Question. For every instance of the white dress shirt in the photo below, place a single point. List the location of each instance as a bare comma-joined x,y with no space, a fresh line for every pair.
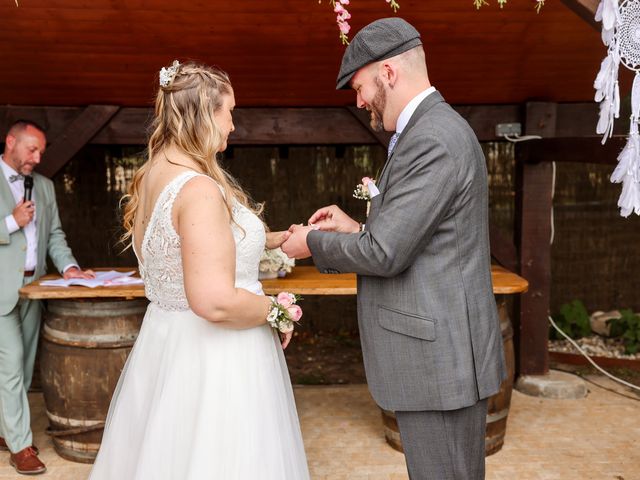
30,231
407,111
17,189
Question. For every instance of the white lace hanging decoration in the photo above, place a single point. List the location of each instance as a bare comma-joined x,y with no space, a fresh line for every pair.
621,34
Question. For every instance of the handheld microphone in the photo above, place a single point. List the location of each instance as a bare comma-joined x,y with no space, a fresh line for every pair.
28,187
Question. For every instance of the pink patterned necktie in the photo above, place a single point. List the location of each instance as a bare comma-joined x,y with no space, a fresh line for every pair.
392,143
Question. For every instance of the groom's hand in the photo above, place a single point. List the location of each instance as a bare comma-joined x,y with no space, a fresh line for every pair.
296,244
332,219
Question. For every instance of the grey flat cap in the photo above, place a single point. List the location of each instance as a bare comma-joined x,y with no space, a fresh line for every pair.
382,39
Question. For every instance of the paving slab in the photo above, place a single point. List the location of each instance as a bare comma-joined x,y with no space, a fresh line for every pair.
595,437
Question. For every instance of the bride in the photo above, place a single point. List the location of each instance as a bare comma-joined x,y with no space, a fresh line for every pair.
205,392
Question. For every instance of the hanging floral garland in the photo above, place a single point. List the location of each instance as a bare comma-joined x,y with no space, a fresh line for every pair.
343,14
621,35
502,3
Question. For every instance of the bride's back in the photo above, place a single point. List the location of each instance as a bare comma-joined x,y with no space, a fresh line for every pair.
155,181
156,238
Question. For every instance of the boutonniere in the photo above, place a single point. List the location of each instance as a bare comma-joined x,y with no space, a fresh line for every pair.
366,191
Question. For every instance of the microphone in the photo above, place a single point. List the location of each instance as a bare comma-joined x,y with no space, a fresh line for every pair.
28,187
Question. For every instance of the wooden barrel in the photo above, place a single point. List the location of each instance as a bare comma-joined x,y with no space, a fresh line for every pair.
85,344
498,404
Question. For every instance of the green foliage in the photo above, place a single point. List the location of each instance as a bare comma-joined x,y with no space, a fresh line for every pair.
627,327
573,320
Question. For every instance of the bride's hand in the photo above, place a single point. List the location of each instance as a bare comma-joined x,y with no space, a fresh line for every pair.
285,338
275,239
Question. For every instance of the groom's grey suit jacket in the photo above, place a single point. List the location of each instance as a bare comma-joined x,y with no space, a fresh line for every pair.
428,323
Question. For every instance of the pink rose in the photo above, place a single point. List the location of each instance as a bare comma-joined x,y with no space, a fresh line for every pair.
366,181
344,2
344,27
338,8
285,299
295,312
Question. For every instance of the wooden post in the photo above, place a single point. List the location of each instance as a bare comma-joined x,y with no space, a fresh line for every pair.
585,9
533,235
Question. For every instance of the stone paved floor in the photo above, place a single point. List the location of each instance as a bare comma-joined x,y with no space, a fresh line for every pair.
593,438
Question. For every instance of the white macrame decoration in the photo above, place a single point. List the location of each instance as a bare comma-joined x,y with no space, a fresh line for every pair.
621,34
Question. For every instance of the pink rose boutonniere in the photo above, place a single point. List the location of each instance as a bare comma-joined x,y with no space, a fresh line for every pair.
366,191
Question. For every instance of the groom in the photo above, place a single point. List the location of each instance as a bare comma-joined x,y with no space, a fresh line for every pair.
429,329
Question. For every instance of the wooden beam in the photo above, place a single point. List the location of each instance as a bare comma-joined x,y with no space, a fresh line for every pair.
256,126
297,126
484,118
585,9
503,250
541,119
77,134
127,127
364,118
533,234
578,150
273,126
52,119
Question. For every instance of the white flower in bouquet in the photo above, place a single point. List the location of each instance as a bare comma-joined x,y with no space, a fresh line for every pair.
275,262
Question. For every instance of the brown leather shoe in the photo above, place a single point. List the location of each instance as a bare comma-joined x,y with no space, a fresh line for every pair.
26,462
5,448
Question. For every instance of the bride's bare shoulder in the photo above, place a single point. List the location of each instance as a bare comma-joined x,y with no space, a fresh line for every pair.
201,187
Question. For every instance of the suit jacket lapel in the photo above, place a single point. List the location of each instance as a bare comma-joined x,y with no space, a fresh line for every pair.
5,192
41,218
422,109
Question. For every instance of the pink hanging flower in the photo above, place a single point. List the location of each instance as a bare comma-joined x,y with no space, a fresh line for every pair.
344,15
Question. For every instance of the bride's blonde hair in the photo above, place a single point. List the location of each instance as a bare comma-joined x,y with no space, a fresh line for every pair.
184,118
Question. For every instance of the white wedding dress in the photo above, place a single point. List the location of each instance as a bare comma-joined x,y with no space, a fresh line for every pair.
196,401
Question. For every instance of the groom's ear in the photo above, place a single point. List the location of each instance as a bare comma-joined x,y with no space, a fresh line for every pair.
388,73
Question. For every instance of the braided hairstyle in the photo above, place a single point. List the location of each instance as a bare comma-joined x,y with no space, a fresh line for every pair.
184,118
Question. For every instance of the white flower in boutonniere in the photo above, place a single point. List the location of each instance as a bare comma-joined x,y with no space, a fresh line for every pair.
274,263
366,191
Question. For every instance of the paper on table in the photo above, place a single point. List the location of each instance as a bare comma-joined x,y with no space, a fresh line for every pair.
103,279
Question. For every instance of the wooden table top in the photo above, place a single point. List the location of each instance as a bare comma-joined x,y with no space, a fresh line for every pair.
35,291
302,281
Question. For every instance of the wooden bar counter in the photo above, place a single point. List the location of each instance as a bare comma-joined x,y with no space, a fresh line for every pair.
88,333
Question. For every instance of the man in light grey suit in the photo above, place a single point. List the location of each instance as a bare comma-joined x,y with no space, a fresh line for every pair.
428,323
28,231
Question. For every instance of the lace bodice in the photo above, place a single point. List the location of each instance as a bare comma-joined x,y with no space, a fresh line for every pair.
162,268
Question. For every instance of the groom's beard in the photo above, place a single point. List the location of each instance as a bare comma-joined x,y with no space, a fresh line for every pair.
377,107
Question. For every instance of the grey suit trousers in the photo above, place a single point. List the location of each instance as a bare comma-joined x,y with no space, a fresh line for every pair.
444,445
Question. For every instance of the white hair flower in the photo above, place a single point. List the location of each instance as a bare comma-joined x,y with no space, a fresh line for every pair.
168,74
